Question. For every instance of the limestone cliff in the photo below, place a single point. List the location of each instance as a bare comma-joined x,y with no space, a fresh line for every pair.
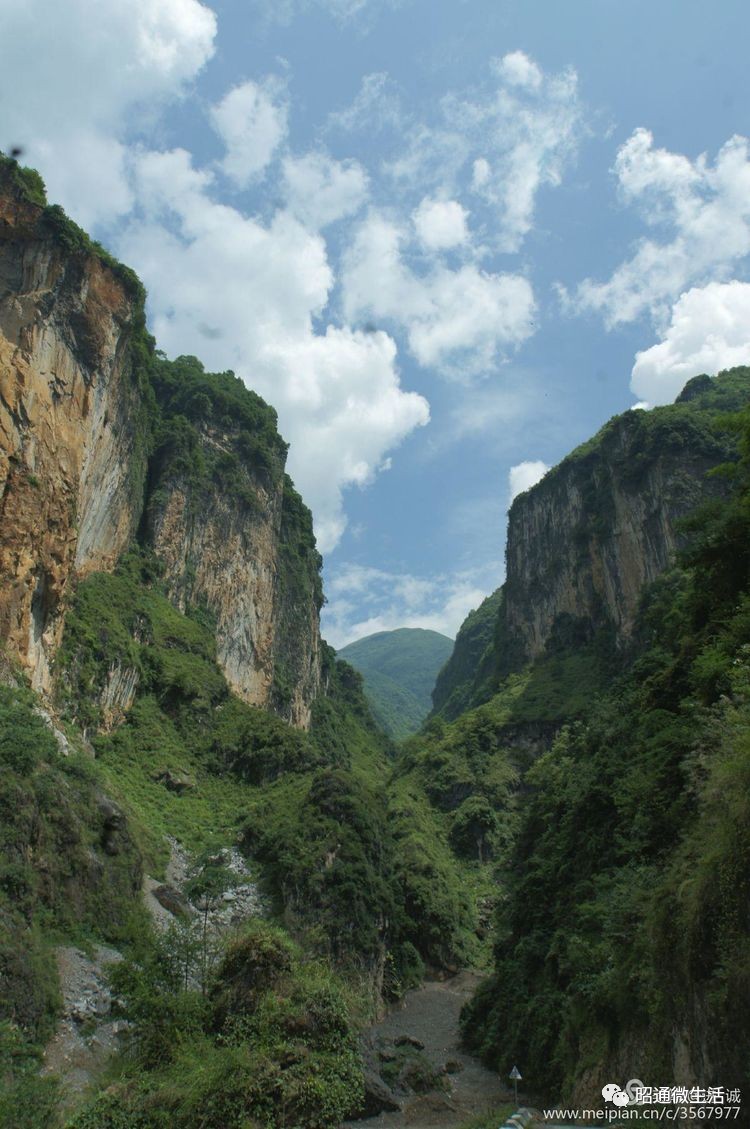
103,441
234,552
70,463
586,540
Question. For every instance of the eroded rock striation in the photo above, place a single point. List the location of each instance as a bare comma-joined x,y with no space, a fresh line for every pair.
585,541
70,466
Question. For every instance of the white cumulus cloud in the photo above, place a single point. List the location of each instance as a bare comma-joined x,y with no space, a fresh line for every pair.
321,190
525,475
504,141
705,211
251,120
242,294
709,331
441,224
103,62
517,69
459,321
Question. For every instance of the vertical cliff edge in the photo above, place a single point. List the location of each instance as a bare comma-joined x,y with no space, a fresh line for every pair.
103,441
71,458
585,542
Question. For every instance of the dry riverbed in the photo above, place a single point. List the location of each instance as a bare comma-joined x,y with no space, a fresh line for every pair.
429,1015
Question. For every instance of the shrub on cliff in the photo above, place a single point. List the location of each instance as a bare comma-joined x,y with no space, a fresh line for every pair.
275,1048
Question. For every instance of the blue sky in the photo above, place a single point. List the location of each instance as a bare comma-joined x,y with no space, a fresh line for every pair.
447,240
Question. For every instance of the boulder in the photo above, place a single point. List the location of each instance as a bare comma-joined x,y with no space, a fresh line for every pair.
379,1098
409,1041
172,900
178,782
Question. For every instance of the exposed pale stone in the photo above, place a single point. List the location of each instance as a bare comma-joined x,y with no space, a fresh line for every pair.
66,430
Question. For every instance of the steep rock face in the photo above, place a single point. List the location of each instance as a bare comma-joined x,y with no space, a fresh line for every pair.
228,555
102,441
69,461
584,542
233,535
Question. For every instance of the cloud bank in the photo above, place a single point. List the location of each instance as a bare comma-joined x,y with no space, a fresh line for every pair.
459,320
107,65
243,294
704,207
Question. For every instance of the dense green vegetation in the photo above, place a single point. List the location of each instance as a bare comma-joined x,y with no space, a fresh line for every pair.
399,669
271,1044
68,867
312,811
627,908
191,402
160,747
28,184
25,181
471,662
251,772
584,816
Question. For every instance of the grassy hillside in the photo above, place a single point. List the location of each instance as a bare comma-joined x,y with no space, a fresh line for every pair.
399,670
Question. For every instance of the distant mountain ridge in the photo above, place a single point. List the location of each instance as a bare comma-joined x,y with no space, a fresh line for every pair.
399,670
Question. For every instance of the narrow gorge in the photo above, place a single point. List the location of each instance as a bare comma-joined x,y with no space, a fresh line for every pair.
216,860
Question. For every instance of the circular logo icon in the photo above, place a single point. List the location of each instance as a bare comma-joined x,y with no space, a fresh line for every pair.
632,1086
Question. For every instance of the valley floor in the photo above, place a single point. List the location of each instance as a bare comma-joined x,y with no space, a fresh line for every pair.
430,1014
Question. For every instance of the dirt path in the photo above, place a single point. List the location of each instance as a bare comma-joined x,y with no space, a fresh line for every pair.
430,1014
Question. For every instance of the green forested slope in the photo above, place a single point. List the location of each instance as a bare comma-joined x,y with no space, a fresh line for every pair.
626,928
585,815
471,661
399,670
269,1035
312,812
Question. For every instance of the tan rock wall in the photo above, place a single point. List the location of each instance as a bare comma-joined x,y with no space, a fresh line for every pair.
218,553
66,430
